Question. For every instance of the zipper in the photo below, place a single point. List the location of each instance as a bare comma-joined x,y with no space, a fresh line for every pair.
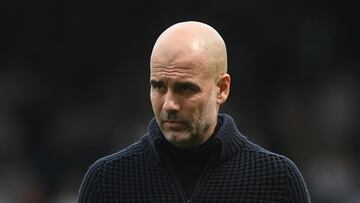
180,186
177,180
203,175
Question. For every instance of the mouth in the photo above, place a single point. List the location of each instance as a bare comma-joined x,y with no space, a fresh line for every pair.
173,125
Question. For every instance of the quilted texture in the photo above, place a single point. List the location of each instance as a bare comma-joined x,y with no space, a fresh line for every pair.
240,172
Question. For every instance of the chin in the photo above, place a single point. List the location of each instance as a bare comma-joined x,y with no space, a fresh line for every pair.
177,138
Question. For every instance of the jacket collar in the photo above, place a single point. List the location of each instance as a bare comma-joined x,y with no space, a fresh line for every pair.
228,138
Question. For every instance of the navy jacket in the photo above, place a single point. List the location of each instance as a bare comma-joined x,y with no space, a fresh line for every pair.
241,171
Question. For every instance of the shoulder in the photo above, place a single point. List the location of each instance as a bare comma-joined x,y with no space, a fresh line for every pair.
90,189
281,168
266,156
117,159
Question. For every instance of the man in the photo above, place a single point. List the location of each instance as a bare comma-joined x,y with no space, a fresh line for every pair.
191,153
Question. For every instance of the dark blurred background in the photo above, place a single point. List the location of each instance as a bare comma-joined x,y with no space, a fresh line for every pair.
74,82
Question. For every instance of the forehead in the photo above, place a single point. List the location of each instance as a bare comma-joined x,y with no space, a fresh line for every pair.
175,74
181,66
176,71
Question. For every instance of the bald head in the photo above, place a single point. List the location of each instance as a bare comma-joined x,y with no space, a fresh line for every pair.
188,82
191,42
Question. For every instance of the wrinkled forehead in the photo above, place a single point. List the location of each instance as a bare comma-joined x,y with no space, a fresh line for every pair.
179,70
179,61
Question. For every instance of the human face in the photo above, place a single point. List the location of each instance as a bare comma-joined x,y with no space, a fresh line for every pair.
183,98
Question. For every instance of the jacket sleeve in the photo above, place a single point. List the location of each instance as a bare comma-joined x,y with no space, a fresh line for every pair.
296,187
90,187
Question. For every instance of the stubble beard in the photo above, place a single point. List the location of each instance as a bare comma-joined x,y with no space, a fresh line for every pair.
195,132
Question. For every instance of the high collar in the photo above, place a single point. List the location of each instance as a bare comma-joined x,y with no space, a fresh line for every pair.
229,140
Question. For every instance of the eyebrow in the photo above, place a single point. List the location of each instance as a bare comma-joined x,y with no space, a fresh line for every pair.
156,82
176,84
191,85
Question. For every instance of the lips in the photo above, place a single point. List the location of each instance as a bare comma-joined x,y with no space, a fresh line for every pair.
173,124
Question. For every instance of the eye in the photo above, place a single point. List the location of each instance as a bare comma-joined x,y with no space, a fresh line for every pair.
158,85
187,88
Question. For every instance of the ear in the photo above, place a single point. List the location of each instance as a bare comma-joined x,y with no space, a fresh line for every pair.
223,85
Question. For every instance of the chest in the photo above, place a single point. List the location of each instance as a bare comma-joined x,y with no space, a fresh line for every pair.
140,180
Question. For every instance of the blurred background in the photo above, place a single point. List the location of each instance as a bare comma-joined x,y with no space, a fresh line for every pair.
74,82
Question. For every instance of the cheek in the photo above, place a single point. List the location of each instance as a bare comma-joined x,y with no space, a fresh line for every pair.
155,103
209,106
198,105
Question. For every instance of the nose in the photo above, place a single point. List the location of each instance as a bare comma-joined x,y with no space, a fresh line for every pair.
171,103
